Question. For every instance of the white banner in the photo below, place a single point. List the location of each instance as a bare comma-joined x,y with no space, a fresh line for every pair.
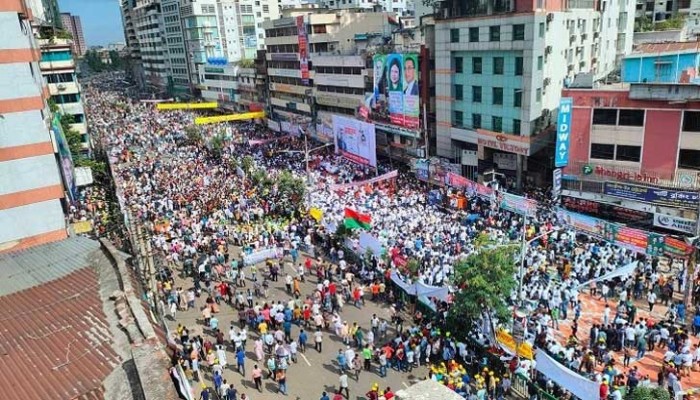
355,140
261,255
470,158
421,289
622,271
505,161
674,223
578,385
388,175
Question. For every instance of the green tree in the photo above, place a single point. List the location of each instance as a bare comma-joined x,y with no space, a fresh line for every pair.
74,139
486,280
676,22
643,24
194,136
247,164
115,59
217,145
645,393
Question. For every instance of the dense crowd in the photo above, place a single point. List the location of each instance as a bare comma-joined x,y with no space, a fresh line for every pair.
196,204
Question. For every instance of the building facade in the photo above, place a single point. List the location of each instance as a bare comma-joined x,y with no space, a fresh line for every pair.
31,188
662,63
178,67
72,25
147,19
58,67
636,146
500,70
132,42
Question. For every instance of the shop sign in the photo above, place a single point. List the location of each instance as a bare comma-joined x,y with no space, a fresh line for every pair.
499,141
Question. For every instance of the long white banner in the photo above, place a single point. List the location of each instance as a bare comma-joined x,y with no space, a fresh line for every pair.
388,175
578,385
260,256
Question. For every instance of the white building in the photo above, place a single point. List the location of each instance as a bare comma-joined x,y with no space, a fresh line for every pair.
178,67
147,22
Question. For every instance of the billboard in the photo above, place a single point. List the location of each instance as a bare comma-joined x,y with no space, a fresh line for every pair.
64,154
561,155
663,197
303,40
355,140
396,90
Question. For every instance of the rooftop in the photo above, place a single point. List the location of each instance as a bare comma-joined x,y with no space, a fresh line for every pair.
661,48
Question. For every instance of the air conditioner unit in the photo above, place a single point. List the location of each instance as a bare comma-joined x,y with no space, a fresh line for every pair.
584,36
596,35
546,81
548,50
550,17
61,87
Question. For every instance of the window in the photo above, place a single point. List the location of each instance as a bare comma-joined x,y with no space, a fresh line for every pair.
498,65
497,95
541,30
473,35
632,117
519,32
458,118
605,116
459,95
497,124
476,121
476,65
518,66
538,95
691,121
454,35
540,63
495,33
689,158
319,29
266,8
516,127
517,98
628,153
459,68
602,151
476,94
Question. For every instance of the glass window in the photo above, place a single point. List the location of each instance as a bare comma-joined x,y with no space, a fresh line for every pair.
497,124
476,121
516,127
540,63
518,66
498,65
476,94
689,159
459,95
541,30
458,118
473,34
497,95
605,116
517,98
628,153
454,35
691,121
519,32
476,65
459,67
538,95
495,33
631,117
602,151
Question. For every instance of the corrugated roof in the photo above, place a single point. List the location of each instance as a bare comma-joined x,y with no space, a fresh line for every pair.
55,341
27,268
660,48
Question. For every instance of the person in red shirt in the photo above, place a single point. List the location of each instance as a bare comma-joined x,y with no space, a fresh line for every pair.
332,288
338,396
603,391
388,394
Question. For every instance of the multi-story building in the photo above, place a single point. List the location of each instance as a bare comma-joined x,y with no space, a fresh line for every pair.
135,72
500,69
338,77
201,33
72,25
147,20
401,8
662,63
58,68
634,154
178,67
31,188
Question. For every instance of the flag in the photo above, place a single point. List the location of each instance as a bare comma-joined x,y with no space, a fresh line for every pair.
316,214
354,219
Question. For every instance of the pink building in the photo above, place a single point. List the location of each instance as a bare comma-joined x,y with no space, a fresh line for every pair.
72,24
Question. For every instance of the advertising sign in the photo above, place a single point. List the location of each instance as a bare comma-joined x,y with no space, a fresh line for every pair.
470,187
556,183
355,140
584,223
396,91
561,155
506,161
470,158
423,170
517,204
303,40
652,195
674,223
64,155
499,141
606,211
324,128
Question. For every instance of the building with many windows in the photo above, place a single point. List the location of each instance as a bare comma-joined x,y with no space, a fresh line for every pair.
500,69
32,192
72,25
132,43
147,21
178,67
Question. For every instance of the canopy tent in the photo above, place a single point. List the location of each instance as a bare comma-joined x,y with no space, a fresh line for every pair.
420,289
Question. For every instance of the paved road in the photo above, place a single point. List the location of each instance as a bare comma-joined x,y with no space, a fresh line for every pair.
314,372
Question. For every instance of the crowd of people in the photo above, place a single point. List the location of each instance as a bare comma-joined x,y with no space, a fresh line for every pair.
196,204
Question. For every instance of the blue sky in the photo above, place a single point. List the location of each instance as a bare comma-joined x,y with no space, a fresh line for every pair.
102,22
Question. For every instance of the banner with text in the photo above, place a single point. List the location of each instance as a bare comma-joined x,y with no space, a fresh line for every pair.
666,197
380,178
396,91
355,140
561,155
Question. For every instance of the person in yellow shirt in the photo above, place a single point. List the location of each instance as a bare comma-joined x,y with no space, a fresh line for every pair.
262,327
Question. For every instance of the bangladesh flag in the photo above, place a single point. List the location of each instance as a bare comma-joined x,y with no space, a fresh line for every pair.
355,220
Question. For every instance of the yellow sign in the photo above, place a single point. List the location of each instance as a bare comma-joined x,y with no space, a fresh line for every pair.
186,106
316,213
506,340
230,117
82,227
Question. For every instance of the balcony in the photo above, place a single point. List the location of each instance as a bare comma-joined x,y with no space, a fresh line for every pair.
286,88
80,127
290,73
356,81
64,88
338,99
72,108
291,105
55,65
676,92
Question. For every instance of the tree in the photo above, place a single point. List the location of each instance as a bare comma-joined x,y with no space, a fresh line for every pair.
217,145
194,136
115,59
676,22
247,164
486,280
643,24
645,393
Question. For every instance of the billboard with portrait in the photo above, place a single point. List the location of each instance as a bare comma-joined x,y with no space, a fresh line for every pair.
303,41
355,140
395,98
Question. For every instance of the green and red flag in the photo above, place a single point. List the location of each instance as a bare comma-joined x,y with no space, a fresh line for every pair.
355,220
